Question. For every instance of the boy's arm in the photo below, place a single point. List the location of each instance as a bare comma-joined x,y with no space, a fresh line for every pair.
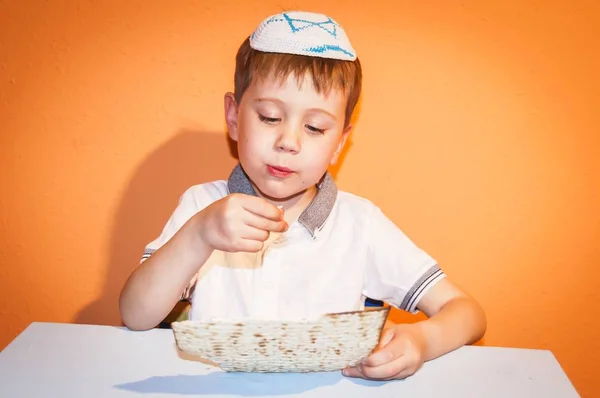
233,223
408,278
455,319
155,286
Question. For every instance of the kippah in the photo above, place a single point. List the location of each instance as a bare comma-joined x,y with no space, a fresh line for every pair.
303,33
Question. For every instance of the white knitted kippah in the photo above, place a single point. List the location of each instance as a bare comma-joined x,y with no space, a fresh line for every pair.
303,33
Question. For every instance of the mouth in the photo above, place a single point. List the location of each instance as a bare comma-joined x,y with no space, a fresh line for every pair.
279,171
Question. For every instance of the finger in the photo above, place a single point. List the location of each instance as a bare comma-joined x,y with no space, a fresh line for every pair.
262,208
265,224
252,233
388,371
391,347
407,372
386,336
250,246
353,372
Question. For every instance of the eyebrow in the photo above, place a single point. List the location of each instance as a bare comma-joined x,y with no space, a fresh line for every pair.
277,101
280,102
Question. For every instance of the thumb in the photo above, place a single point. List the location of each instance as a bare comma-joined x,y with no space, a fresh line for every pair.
386,350
386,336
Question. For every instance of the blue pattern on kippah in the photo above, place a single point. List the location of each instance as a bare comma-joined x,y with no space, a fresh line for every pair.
326,47
309,24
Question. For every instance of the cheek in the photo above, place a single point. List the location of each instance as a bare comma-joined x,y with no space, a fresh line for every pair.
252,139
247,130
316,159
325,149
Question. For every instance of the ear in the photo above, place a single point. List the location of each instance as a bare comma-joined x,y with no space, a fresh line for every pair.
340,147
231,115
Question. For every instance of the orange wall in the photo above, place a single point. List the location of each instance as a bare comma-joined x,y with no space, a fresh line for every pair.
477,134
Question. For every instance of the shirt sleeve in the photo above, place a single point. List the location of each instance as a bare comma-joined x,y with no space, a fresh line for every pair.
398,271
187,207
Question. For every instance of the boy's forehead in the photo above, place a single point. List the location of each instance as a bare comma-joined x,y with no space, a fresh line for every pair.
292,88
290,81
303,33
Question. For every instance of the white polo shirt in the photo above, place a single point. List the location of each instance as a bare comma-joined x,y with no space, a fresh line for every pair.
339,251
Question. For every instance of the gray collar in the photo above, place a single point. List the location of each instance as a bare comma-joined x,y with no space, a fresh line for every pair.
313,217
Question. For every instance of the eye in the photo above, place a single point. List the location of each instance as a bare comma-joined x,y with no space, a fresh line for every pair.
313,129
268,120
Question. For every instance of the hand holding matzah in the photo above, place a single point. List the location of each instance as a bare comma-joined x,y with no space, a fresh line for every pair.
401,352
239,223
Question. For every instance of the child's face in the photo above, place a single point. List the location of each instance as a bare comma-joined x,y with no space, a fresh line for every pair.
287,135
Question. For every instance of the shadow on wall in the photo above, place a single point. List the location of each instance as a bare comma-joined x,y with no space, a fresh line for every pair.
190,158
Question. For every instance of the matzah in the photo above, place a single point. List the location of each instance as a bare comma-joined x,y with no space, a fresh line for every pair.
329,343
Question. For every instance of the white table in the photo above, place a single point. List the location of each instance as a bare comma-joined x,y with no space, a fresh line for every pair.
66,360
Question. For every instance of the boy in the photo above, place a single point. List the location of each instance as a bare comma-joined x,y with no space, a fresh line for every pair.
277,239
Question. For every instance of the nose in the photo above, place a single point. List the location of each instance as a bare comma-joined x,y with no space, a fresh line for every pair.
289,139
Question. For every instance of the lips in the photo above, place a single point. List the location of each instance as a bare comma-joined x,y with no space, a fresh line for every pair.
279,171
280,168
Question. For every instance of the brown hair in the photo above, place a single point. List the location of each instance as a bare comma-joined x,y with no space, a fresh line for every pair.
326,73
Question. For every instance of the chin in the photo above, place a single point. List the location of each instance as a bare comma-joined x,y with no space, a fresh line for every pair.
278,191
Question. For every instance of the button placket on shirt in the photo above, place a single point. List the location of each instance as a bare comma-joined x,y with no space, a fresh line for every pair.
266,302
